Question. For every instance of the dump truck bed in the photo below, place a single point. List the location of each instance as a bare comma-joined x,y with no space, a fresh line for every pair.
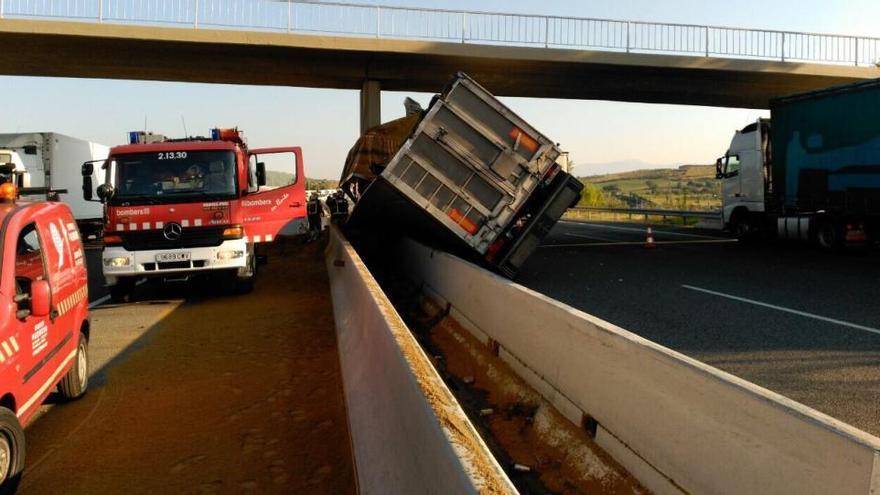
472,175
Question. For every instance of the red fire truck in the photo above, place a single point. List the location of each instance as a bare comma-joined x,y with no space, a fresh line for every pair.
175,208
44,326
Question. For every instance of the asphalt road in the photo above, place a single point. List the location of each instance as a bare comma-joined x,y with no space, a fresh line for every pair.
193,390
798,321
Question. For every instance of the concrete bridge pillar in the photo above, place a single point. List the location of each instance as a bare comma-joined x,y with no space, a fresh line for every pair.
371,114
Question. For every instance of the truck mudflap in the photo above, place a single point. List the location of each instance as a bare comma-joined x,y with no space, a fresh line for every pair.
276,211
543,211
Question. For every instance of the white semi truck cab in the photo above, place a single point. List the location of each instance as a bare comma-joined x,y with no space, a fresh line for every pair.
743,171
812,173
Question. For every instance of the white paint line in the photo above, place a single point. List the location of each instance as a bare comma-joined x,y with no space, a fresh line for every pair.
634,229
786,310
99,301
593,237
639,243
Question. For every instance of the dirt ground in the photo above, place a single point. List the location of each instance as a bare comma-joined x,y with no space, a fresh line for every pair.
535,438
226,394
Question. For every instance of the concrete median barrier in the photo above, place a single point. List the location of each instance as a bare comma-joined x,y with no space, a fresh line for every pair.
408,433
678,425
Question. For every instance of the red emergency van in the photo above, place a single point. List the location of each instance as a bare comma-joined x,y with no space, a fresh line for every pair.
44,325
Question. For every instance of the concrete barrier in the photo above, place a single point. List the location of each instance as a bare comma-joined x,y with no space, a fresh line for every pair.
677,424
408,433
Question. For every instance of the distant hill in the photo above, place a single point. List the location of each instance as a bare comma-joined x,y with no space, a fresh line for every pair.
687,187
275,178
617,167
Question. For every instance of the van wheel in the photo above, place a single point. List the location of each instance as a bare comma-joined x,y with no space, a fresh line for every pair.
123,291
11,451
76,381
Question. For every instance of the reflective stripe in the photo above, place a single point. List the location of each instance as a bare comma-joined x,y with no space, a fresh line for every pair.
184,223
49,383
14,343
7,349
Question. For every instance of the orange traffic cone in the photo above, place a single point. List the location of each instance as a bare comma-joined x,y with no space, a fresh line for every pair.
649,242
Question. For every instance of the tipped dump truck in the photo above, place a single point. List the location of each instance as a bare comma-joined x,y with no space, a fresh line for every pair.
467,174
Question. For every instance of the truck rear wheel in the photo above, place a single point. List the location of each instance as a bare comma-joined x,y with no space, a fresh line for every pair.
76,381
11,451
828,235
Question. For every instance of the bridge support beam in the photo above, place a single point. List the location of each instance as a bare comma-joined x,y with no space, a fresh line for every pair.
371,99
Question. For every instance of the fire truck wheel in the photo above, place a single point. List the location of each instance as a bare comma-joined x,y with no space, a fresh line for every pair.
123,291
11,451
76,381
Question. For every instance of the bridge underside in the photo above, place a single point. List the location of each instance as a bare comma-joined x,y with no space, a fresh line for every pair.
67,49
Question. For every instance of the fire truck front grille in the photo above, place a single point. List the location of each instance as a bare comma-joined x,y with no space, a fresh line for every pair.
190,238
174,265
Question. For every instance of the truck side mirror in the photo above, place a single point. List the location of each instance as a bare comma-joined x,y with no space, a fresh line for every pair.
261,173
87,187
719,174
105,191
88,169
40,298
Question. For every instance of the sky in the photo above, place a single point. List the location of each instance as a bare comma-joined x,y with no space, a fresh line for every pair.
598,134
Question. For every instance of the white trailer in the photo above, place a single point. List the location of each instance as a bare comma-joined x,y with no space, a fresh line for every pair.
54,161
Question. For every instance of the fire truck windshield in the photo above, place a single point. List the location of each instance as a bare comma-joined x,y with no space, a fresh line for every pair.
174,176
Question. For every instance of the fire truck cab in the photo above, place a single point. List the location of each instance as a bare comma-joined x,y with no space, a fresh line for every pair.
44,325
176,208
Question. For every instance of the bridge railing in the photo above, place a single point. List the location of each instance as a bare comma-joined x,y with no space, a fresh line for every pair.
492,28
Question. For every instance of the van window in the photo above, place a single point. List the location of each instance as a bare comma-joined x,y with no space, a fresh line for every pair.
28,259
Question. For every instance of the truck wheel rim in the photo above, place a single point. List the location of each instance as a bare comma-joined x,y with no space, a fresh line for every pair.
5,457
82,365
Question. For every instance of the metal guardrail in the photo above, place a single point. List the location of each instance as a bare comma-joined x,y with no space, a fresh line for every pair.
492,28
657,212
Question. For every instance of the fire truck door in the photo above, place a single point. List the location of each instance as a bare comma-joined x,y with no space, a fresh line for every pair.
268,211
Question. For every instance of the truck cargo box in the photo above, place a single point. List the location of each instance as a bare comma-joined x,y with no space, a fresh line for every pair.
826,149
54,161
472,175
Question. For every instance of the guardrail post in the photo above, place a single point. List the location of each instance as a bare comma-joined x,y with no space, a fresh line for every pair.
856,40
289,7
378,20
627,37
546,32
463,25
1,9
100,11
196,14
783,47
707,40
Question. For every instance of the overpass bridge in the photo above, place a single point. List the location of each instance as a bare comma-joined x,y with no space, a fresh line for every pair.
369,48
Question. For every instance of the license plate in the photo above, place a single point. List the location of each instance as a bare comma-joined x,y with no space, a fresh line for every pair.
165,257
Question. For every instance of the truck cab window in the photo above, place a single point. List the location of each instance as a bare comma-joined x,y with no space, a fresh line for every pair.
253,186
731,167
28,259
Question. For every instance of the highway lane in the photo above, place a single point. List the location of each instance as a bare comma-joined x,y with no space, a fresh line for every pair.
798,321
